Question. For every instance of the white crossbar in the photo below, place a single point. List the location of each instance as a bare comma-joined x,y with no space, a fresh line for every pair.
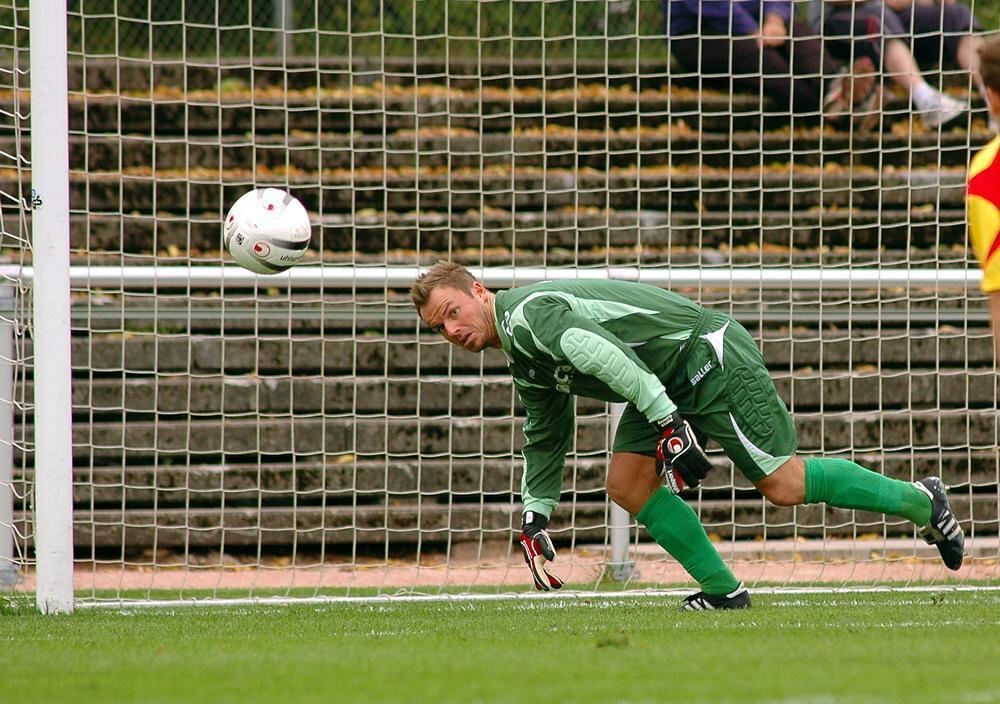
400,277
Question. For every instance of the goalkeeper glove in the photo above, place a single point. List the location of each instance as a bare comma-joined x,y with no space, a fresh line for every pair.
537,547
684,462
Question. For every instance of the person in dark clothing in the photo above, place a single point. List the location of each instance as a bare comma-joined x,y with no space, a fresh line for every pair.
897,34
757,46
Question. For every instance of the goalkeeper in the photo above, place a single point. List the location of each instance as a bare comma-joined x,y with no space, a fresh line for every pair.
684,371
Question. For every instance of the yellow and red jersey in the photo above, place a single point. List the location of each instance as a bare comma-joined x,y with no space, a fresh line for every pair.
983,203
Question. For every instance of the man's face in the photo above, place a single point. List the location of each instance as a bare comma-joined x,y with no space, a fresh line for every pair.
464,319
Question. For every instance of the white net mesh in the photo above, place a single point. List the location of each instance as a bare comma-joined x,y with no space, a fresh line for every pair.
262,439
16,200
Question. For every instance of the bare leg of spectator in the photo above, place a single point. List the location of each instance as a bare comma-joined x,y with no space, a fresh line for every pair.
944,34
935,108
901,67
883,35
967,54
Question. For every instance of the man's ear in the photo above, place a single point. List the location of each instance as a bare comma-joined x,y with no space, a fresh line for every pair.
478,290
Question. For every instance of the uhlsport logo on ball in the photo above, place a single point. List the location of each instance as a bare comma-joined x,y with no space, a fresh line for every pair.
267,230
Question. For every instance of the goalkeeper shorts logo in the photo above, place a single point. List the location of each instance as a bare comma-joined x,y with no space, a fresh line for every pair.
700,374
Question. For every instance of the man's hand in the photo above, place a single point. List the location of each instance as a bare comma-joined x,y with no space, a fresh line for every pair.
684,462
773,31
537,547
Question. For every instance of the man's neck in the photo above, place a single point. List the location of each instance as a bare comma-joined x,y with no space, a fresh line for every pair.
491,305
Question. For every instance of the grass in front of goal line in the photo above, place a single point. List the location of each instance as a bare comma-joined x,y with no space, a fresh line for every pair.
863,648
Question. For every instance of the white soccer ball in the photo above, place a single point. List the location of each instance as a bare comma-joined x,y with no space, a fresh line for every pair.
267,230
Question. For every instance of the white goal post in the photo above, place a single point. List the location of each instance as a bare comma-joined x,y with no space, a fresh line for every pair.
51,256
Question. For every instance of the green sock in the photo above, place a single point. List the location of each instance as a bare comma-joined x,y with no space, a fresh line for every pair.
675,527
843,484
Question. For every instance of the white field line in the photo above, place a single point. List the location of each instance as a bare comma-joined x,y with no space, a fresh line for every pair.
573,596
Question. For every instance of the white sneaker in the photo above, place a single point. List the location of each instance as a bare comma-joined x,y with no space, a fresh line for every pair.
942,110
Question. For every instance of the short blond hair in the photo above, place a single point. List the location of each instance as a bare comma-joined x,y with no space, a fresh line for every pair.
989,62
443,273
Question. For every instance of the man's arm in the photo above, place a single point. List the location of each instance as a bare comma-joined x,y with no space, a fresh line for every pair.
548,432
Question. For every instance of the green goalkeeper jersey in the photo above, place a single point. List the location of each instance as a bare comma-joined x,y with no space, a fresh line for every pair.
614,341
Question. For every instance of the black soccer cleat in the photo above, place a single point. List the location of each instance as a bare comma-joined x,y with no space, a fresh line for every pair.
738,599
943,530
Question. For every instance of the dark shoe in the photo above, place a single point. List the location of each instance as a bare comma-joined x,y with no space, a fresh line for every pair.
856,93
739,599
943,529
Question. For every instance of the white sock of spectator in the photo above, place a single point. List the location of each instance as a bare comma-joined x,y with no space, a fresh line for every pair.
924,97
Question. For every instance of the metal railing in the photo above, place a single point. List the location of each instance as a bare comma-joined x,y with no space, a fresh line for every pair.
400,277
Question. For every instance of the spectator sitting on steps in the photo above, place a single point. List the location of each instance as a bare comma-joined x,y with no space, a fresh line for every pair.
757,46
896,34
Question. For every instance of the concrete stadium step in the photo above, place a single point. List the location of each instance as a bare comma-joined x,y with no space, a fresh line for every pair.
533,189
183,437
778,235
302,73
379,108
573,234
374,109
308,72
335,314
342,479
489,394
265,311
406,524
338,321
668,144
952,350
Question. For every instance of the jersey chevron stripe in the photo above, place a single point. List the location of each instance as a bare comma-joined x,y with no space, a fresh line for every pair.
518,319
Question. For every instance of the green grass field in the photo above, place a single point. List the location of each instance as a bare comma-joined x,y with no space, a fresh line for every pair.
815,649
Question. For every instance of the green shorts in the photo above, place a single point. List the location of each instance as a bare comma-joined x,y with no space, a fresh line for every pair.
722,388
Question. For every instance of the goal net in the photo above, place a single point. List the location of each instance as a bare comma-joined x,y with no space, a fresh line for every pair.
243,436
